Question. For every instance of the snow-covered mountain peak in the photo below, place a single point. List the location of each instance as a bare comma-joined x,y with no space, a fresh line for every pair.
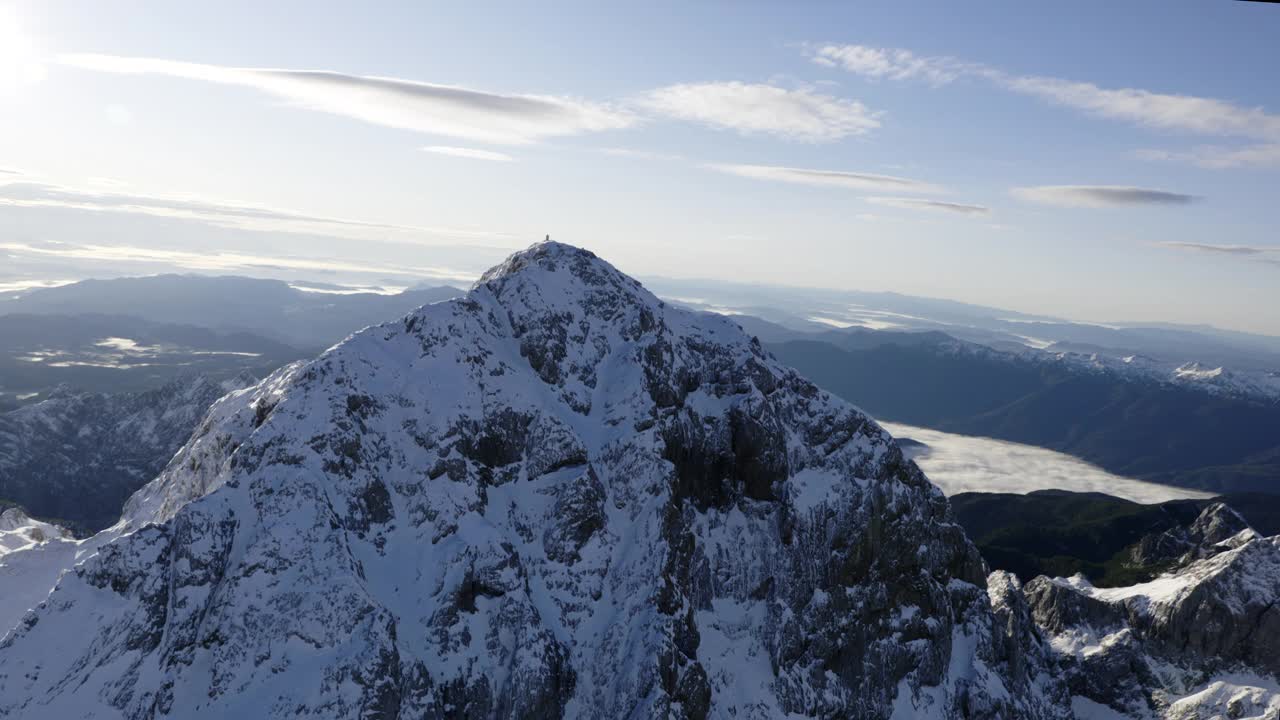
556,497
550,264
552,279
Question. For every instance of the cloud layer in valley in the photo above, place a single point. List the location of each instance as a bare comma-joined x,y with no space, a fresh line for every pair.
960,463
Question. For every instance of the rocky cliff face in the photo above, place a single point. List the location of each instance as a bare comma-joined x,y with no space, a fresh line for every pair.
555,497
1200,641
79,456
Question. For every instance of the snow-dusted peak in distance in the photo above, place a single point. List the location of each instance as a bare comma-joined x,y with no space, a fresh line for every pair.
18,531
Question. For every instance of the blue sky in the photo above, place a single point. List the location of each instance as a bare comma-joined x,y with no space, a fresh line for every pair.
1097,161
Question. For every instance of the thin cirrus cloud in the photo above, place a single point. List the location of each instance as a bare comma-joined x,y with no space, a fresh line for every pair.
759,109
468,153
1237,250
1267,254
222,214
392,102
634,153
520,119
929,205
858,181
828,178
1100,196
1162,111
1217,157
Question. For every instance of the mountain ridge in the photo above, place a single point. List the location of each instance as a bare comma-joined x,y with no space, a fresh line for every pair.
510,493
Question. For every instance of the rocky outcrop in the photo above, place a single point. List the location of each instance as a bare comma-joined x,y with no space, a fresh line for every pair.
1204,635
557,497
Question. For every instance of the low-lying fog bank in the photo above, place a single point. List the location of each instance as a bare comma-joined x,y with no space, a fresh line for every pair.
961,463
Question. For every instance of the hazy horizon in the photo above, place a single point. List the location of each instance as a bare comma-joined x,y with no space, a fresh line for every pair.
989,155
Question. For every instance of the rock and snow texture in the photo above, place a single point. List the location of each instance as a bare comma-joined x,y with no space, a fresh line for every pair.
32,555
77,457
19,532
555,497
1201,641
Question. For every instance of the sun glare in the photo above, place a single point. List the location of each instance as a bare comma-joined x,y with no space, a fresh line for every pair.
20,64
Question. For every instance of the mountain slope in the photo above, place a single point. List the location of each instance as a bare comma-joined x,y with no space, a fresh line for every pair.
556,497
1198,641
79,456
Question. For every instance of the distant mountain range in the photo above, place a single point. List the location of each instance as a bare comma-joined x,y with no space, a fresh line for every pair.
273,309
813,310
1129,420
133,334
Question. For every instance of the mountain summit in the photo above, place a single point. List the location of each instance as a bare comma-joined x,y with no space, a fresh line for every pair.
555,497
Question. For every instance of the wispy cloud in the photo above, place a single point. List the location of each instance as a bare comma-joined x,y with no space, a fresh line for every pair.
1156,110
828,178
424,107
1219,157
638,154
1144,108
934,205
469,153
1238,250
891,63
1100,196
224,214
860,181
224,261
751,109
9,171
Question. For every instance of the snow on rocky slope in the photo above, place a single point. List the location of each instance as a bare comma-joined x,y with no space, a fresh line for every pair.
555,497
32,555
20,532
1201,641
